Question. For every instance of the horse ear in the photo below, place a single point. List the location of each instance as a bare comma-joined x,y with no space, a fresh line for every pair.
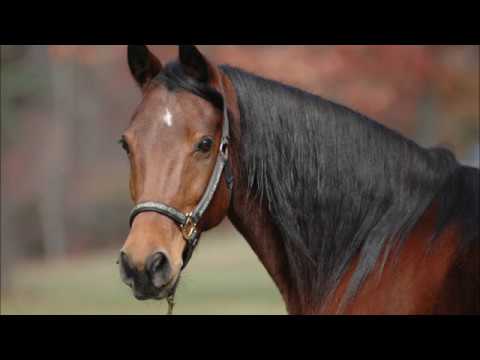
194,63
144,65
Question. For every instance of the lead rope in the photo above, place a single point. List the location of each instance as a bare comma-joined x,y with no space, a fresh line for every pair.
171,303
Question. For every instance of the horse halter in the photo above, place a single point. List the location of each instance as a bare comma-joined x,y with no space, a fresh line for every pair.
188,221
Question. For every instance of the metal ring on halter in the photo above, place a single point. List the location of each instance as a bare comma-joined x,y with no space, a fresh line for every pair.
189,228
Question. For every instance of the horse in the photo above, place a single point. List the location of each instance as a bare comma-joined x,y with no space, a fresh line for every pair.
346,215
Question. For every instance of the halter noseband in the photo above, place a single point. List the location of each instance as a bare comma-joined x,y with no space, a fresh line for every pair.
188,221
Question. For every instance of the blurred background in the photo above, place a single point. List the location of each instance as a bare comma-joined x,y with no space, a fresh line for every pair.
64,179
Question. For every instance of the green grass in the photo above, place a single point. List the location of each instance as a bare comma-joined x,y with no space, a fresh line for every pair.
223,277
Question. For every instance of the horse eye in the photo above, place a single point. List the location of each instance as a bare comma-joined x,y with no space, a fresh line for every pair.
124,145
205,145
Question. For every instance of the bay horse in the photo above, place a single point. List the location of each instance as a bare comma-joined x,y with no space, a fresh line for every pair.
346,215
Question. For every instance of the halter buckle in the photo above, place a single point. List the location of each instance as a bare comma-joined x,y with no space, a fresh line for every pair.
188,228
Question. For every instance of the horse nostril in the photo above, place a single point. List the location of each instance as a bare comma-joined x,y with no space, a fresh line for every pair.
159,263
126,271
159,269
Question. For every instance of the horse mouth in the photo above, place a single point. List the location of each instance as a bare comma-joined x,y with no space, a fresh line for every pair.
160,293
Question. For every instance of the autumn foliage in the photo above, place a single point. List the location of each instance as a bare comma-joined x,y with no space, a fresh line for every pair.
63,108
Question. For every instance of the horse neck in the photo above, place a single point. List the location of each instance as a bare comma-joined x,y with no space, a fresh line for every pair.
408,290
407,280
406,283
405,286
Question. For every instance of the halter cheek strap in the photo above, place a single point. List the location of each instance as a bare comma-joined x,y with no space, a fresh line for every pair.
188,221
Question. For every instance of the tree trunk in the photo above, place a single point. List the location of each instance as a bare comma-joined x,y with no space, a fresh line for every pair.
56,155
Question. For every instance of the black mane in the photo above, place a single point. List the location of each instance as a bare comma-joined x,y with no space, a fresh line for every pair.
336,183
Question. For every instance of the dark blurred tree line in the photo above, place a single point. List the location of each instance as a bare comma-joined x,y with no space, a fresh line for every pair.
65,181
